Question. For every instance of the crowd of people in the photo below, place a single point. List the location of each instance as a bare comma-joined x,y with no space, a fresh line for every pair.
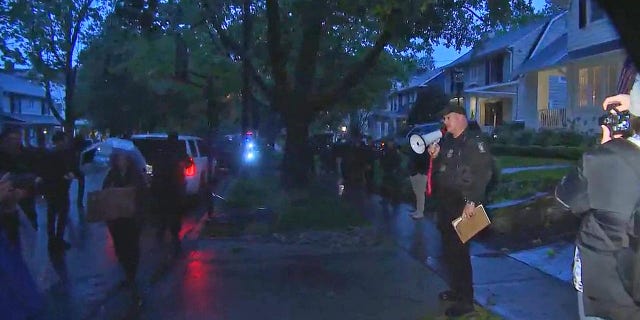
30,173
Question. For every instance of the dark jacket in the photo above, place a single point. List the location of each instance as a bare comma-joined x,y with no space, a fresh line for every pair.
462,169
603,190
57,163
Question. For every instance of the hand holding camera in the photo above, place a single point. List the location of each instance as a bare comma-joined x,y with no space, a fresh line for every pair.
616,123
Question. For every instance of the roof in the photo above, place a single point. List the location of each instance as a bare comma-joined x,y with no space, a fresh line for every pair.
552,55
16,84
422,79
30,119
500,42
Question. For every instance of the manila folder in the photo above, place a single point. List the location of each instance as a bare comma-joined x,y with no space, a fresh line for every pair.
469,227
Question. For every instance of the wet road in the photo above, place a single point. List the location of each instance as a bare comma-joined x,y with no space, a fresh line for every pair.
79,283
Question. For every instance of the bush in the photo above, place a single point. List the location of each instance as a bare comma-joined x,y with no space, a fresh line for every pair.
535,151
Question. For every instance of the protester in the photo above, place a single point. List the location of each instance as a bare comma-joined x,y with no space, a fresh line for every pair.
125,231
391,164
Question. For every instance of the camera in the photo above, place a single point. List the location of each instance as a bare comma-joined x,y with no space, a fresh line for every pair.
618,123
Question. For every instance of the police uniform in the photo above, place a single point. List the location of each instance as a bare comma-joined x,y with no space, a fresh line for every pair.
462,172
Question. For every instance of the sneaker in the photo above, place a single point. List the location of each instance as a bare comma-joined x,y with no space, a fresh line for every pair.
416,215
459,309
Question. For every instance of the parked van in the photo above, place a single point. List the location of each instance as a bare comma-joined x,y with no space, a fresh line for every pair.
199,168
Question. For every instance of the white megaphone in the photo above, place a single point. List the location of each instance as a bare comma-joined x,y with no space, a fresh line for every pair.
419,143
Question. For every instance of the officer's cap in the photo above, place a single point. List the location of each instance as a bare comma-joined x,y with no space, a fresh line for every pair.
453,109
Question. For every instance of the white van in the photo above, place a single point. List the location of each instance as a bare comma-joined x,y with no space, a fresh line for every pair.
199,169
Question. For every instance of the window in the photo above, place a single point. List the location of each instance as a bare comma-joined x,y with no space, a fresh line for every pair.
596,12
595,84
494,69
582,14
192,147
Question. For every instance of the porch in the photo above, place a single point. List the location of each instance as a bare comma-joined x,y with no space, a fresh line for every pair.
491,106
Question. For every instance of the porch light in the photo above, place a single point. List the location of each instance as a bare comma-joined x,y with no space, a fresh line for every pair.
343,129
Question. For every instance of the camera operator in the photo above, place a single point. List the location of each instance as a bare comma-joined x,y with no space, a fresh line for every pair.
605,200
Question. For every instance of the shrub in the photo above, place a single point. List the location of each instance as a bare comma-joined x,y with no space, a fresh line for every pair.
536,151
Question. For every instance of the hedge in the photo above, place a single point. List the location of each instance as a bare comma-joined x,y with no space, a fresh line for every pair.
557,152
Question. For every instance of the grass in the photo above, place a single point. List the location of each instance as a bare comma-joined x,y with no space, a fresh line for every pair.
516,161
535,175
313,208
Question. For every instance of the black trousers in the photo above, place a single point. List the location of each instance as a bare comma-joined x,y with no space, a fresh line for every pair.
57,215
455,253
81,184
125,233
28,206
169,208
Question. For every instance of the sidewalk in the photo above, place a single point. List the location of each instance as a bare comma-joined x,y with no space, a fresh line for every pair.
503,283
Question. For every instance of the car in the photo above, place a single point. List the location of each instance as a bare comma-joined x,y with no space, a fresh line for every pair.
200,168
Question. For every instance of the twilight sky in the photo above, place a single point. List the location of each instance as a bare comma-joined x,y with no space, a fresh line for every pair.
443,55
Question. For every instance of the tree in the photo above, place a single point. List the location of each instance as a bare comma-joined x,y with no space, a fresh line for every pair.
319,52
48,35
429,102
134,79
554,7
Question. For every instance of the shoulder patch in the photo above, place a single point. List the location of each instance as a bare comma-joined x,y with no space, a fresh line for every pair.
481,147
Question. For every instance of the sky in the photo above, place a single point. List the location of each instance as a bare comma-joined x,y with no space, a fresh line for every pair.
443,55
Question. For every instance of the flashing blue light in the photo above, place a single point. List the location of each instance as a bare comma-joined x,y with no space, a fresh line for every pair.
250,155
250,145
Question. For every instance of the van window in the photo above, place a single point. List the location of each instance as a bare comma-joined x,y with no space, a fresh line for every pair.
202,148
193,149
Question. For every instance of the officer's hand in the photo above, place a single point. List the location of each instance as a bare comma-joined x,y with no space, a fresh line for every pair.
622,100
433,150
469,210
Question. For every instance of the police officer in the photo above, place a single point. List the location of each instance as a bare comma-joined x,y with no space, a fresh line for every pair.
462,171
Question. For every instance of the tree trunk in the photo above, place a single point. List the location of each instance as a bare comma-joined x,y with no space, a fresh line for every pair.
297,160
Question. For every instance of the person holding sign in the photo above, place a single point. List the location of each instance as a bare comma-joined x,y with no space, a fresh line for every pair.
462,169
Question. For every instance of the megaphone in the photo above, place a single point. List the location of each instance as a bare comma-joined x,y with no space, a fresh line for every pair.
419,143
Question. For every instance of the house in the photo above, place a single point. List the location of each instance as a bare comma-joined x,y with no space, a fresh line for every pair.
542,99
490,83
595,59
23,103
391,118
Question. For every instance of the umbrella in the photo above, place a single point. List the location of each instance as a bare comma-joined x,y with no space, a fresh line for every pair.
98,155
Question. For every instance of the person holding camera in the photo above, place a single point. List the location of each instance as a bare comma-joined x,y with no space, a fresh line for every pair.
462,170
606,201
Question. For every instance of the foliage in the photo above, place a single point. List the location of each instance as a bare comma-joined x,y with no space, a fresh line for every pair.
313,208
517,162
557,152
47,36
129,81
525,184
429,102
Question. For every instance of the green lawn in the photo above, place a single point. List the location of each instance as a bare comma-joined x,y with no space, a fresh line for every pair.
516,161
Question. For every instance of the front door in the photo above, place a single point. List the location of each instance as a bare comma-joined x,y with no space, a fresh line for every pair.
493,114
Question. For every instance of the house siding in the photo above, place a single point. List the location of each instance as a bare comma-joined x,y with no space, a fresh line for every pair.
555,30
595,32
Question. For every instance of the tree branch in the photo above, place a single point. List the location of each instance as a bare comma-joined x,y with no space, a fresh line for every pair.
354,75
277,57
233,48
475,14
308,56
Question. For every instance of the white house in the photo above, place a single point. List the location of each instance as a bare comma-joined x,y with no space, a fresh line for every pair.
391,118
23,103
595,58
